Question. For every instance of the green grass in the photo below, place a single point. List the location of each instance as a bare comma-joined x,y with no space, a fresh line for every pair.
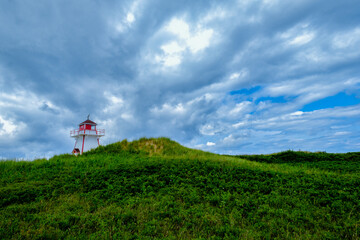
156,188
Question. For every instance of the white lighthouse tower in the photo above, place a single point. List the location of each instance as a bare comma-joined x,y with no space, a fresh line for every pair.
86,137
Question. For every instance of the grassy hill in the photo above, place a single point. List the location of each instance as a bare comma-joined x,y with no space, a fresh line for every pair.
156,188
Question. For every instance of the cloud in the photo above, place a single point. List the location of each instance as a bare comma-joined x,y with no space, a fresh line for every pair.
192,40
348,39
8,128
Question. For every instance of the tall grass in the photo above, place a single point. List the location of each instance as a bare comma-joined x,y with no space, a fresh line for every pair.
156,188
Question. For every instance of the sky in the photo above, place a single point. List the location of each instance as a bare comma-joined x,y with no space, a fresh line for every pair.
229,77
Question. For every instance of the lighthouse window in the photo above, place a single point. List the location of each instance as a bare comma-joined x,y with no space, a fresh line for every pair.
92,127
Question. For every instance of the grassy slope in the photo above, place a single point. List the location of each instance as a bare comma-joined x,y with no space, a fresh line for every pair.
156,188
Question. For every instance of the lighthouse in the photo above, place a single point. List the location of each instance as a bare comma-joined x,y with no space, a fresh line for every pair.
86,136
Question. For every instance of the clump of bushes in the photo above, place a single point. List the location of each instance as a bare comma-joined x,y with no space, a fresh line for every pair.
300,156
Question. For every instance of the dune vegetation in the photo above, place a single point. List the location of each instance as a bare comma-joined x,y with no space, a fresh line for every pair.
158,189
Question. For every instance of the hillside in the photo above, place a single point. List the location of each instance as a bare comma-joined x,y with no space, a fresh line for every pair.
156,188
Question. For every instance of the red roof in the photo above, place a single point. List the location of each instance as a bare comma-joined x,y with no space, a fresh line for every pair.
88,122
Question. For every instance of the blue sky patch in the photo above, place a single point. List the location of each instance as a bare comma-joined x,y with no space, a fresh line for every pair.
280,99
245,91
339,100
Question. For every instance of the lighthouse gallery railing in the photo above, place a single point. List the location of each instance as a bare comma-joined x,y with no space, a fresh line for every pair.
98,132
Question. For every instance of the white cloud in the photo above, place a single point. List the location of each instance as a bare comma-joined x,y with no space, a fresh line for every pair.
302,39
187,40
179,27
216,15
234,75
171,61
241,108
302,120
123,22
127,116
200,40
172,54
312,131
8,127
341,133
347,39
229,139
240,124
226,84
270,3
115,103
297,113
352,82
168,60
130,18
21,99
172,48
210,144
308,89
209,129
167,108
299,34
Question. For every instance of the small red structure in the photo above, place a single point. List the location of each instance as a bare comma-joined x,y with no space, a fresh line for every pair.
76,151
